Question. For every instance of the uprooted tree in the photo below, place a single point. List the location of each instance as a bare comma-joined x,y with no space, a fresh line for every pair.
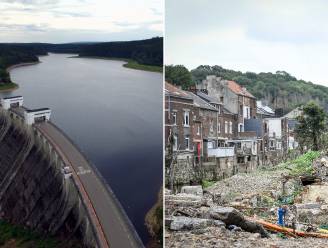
311,126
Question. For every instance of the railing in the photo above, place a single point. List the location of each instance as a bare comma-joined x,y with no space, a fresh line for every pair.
221,152
109,190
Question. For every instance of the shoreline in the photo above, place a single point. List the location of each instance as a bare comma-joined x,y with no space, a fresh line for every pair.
128,63
13,86
8,69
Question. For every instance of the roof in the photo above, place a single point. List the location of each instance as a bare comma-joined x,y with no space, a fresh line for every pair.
208,98
199,102
238,89
294,113
263,109
175,91
37,110
12,97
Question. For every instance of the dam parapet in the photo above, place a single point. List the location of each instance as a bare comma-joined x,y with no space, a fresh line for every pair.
48,185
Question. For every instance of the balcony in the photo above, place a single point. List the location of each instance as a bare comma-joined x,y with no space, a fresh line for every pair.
221,152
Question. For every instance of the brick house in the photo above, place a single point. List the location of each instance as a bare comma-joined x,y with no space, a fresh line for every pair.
205,125
227,121
179,119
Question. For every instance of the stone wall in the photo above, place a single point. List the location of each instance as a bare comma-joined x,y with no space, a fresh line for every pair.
186,171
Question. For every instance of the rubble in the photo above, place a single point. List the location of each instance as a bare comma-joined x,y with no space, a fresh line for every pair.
246,207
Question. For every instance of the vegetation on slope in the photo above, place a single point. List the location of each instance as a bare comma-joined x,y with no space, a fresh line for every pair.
154,222
279,90
16,236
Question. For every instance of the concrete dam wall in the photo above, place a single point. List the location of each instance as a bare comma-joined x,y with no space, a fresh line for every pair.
34,191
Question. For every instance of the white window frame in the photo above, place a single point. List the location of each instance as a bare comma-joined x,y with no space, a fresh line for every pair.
219,127
174,116
186,138
198,129
225,127
211,126
185,118
175,142
230,127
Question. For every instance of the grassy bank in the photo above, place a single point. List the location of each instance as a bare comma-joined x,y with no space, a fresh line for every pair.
130,63
154,222
8,87
17,236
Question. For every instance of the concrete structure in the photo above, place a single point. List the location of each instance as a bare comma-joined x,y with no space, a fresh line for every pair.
9,102
108,220
32,116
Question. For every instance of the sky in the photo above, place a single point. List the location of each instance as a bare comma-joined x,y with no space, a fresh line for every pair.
61,21
250,35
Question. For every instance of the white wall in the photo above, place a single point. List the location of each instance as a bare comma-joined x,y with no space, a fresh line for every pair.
274,126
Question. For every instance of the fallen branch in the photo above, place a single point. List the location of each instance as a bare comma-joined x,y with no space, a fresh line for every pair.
288,231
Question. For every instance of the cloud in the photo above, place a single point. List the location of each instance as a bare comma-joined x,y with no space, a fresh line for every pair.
256,36
22,28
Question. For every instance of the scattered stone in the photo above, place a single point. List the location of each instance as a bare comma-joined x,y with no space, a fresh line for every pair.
185,223
194,190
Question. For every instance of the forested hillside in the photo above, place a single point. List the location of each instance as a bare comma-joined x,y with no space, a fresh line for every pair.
142,54
11,54
279,90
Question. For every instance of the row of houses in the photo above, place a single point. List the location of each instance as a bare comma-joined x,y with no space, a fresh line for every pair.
221,119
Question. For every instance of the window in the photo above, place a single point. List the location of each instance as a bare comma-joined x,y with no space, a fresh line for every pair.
211,126
175,142
219,127
186,118
186,142
219,109
230,127
271,143
241,128
247,113
174,115
226,127
221,98
198,129
240,160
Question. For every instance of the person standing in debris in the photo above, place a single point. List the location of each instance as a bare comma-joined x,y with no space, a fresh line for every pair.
281,215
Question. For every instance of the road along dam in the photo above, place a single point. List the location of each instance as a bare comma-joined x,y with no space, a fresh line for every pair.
48,185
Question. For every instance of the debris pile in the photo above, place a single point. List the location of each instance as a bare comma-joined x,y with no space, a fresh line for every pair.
242,211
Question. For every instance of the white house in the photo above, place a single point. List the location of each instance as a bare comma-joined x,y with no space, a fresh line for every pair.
37,115
9,102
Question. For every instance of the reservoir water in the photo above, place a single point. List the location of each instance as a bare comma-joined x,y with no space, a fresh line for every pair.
112,113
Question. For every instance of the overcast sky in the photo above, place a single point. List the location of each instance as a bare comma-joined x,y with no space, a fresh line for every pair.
250,35
62,21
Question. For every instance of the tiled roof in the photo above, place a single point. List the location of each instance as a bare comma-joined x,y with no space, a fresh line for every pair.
175,91
207,97
199,102
239,90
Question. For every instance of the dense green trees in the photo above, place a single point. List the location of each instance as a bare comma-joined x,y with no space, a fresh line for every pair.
280,89
178,75
311,126
145,52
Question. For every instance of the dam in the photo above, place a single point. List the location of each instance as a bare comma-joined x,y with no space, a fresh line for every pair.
49,186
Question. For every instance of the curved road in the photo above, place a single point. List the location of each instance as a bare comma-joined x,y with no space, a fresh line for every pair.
113,223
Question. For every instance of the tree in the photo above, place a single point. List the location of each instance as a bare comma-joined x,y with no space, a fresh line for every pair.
178,75
311,125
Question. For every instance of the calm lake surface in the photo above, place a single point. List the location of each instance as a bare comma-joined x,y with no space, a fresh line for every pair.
112,113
